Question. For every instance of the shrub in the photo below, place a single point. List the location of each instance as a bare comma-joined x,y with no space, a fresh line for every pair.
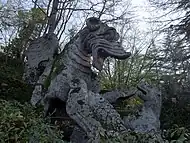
21,123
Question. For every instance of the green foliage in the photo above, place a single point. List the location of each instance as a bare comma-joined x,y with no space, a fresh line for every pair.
177,134
11,84
55,70
122,74
38,15
30,25
35,14
172,114
21,123
132,137
14,48
129,107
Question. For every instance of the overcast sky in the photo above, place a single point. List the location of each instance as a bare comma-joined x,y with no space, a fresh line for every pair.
141,8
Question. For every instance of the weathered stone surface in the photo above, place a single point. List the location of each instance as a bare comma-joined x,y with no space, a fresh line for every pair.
42,49
84,105
40,56
146,123
92,112
78,135
148,120
114,96
75,60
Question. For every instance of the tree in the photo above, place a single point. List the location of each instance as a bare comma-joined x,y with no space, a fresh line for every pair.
58,17
141,65
180,24
30,25
174,53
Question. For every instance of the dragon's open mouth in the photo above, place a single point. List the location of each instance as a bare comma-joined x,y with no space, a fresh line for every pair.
101,53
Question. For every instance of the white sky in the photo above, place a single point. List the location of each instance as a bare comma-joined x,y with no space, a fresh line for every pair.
141,8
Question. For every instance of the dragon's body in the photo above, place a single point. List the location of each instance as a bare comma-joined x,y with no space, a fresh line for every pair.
69,79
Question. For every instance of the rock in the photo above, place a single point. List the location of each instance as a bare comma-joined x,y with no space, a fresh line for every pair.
40,56
93,113
114,96
148,119
78,135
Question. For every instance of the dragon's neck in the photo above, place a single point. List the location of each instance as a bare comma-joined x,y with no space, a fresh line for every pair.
76,59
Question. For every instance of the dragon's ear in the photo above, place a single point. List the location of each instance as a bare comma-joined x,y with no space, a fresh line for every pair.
93,23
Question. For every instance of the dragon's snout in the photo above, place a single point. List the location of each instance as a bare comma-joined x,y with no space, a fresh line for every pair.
102,48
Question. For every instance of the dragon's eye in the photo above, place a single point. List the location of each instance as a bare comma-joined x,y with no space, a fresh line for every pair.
109,35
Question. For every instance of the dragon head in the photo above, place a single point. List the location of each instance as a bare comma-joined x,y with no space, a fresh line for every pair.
101,41
149,92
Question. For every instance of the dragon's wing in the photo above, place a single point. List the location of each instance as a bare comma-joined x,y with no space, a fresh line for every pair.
39,54
42,49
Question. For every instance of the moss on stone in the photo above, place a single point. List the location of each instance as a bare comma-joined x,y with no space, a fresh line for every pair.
55,70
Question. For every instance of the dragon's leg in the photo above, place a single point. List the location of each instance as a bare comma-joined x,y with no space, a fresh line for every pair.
58,89
78,109
92,112
106,114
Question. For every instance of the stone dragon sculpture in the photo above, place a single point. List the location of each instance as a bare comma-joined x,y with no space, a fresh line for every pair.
68,78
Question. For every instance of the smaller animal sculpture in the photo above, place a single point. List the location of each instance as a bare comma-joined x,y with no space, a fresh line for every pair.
148,120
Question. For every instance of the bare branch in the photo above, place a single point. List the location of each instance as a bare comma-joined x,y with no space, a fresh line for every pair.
103,8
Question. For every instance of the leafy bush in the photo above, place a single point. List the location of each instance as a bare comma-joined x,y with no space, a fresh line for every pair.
173,114
11,85
177,134
21,123
132,137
